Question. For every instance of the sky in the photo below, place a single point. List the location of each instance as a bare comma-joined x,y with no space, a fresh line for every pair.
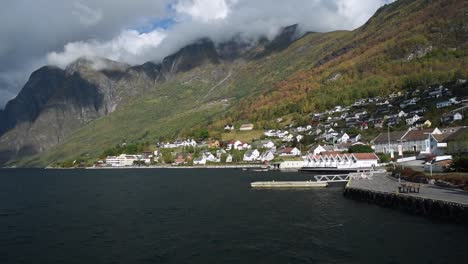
34,33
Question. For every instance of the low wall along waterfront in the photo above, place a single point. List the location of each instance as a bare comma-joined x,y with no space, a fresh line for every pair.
433,202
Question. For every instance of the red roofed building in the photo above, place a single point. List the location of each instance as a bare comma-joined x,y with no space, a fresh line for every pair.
342,161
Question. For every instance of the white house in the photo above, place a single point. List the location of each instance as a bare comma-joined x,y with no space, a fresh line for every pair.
268,145
457,116
342,161
229,127
229,158
451,101
199,161
289,152
402,114
270,133
288,138
330,134
342,137
251,155
237,145
319,149
210,157
268,155
189,143
412,120
246,127
355,138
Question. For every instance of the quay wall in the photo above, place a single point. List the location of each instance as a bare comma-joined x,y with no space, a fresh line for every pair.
434,209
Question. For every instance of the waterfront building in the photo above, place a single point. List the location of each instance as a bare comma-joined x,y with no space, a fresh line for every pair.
341,161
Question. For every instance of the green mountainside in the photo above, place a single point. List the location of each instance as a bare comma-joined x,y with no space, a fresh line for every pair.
407,44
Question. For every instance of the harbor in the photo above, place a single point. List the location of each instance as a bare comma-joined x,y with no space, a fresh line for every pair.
420,199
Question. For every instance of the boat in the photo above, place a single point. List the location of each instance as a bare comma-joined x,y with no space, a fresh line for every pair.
263,168
288,184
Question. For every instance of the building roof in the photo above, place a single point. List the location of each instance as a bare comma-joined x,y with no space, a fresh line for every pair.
450,134
365,156
458,134
358,156
417,135
440,138
394,136
287,150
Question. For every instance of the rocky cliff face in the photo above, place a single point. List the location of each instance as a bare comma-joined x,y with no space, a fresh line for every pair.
53,104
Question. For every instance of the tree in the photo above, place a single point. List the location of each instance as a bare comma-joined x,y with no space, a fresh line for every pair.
460,163
224,157
167,156
360,149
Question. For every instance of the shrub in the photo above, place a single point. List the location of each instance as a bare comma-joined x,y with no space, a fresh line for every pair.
384,158
460,163
360,149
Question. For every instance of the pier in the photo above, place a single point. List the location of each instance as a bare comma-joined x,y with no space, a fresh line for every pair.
420,199
288,184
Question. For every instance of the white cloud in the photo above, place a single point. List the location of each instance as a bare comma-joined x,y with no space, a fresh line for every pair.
86,15
203,10
130,46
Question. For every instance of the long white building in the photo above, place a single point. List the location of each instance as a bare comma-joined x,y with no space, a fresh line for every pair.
342,161
123,160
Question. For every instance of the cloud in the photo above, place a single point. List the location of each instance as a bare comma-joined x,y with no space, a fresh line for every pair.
203,10
86,15
57,32
130,46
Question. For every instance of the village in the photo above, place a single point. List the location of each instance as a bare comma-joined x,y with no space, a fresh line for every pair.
400,127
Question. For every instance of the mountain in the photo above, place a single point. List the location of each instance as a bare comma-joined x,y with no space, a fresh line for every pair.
95,103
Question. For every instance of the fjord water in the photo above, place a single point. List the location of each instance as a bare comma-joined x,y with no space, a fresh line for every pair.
204,216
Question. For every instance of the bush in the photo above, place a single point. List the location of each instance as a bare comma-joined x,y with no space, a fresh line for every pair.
360,149
384,158
460,163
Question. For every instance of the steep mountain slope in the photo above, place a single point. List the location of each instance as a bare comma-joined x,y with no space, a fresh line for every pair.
405,44
54,103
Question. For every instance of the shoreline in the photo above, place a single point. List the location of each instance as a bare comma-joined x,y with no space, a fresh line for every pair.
247,166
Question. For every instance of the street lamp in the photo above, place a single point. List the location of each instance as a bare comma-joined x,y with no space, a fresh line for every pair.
388,136
428,149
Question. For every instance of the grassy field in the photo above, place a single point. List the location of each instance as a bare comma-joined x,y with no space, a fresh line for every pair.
244,136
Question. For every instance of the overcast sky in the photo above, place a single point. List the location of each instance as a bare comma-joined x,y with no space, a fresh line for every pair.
34,33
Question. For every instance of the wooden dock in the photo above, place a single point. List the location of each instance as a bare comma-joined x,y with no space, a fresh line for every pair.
421,199
288,184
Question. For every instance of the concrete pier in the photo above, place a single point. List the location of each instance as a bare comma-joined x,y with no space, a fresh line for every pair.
430,201
288,184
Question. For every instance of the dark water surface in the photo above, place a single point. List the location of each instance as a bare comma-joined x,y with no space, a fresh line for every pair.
204,216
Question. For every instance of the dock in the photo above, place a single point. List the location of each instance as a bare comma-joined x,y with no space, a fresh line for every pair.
288,184
420,199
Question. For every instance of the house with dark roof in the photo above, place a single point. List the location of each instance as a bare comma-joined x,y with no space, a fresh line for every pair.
439,142
289,152
385,142
410,140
